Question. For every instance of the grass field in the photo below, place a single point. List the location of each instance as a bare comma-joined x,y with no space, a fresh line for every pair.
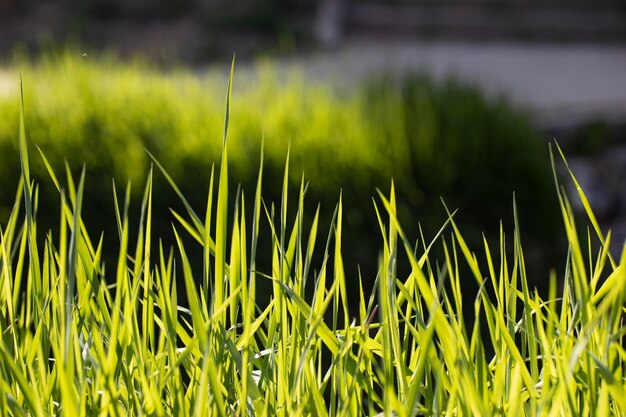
82,339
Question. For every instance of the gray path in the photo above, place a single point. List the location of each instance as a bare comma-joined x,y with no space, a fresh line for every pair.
560,84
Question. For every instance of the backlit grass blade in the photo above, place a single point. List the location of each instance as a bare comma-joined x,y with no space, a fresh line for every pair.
24,162
221,226
28,192
206,239
583,199
199,323
221,219
194,217
339,272
228,99
234,276
147,318
256,216
190,229
530,338
73,259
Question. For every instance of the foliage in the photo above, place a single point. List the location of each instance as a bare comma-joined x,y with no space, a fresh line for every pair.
446,139
79,339
435,139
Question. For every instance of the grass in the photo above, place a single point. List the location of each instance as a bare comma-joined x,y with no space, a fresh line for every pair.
81,339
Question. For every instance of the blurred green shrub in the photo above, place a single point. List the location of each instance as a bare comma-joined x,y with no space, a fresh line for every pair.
446,139
435,139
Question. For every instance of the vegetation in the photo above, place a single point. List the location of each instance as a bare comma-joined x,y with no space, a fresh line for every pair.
436,139
82,339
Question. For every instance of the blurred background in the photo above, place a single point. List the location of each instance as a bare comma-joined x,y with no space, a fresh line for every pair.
453,99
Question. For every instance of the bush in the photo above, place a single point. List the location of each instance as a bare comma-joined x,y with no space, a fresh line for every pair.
435,139
446,139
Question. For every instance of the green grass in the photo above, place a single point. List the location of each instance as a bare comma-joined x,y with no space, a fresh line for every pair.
81,339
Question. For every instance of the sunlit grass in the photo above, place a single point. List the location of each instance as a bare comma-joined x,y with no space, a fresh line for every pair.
79,339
